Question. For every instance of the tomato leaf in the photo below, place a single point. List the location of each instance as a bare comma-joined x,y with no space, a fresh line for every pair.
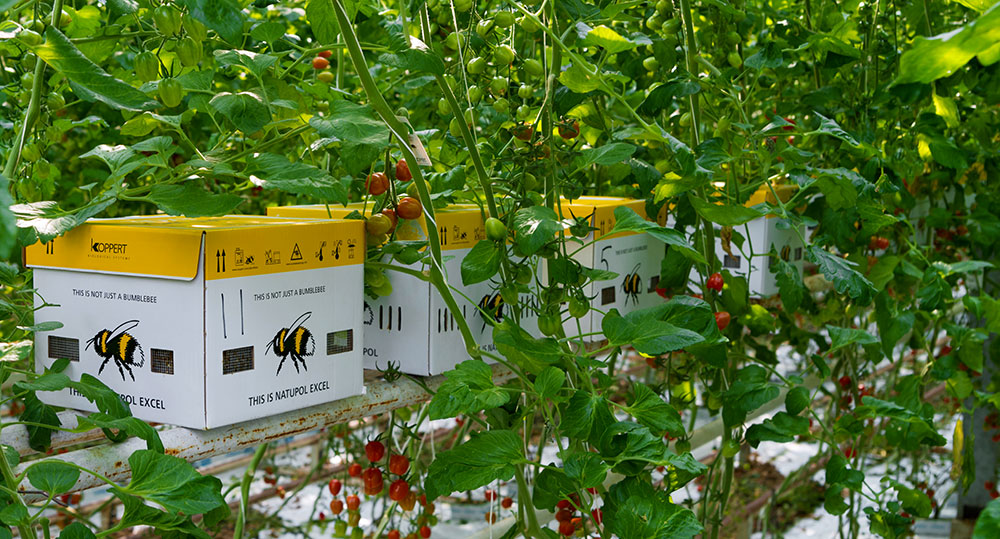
845,278
611,41
988,523
76,530
841,337
783,427
627,220
191,201
482,262
485,458
172,483
646,333
796,400
549,382
608,154
939,56
578,415
138,513
519,346
724,214
246,110
362,135
53,476
534,227
468,389
790,286
579,80
652,411
90,81
323,21
277,172
633,508
750,390
36,413
223,16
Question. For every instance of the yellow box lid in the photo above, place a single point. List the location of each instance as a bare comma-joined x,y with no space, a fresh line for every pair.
235,246
459,226
601,209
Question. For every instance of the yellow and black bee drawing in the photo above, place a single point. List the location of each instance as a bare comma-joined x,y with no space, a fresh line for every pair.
120,347
296,342
786,253
492,306
632,285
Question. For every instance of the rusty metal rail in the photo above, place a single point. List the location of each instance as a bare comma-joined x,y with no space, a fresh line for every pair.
111,460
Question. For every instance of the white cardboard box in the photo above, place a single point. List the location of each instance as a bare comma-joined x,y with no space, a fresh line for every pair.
412,327
204,322
635,257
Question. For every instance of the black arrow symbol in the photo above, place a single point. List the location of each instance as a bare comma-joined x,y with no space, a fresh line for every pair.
223,260
217,261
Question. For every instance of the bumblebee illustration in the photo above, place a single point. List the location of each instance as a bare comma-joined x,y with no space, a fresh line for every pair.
786,253
632,285
369,314
296,342
120,347
492,306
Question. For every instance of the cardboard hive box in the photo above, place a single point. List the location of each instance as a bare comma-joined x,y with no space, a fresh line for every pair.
635,257
204,322
413,327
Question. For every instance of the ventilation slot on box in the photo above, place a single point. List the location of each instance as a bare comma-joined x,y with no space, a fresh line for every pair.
607,295
654,281
64,348
161,361
237,360
338,342
798,253
731,261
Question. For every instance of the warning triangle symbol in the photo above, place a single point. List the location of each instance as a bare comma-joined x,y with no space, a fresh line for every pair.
296,253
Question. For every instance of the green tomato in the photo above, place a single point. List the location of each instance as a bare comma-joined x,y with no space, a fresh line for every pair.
498,85
504,19
722,126
170,92
30,153
501,105
525,91
28,61
663,7
189,52
470,116
194,28
650,63
444,108
509,294
55,101
495,229
147,66
503,55
529,182
578,307
734,59
28,79
412,191
523,275
533,68
340,528
682,446
733,38
523,112
455,128
475,94
29,37
654,23
528,24
484,27
730,448
454,41
167,19
476,66
685,119
549,324
672,26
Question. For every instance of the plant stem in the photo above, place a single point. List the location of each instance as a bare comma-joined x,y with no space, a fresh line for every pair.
241,516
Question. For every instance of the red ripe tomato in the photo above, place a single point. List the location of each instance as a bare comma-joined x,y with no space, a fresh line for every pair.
569,130
403,171
409,208
354,470
849,452
566,528
373,481
564,504
375,450
523,132
398,490
506,503
490,495
491,517
409,501
845,382
321,517
564,515
335,486
989,485
325,54
353,502
399,464
597,515
337,506
722,320
715,282
425,531
377,183
320,63
662,292
429,508
393,534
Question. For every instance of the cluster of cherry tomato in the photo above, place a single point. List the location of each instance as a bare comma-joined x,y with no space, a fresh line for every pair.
320,63
380,225
567,515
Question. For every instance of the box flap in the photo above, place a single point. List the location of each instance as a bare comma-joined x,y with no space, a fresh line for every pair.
114,246
266,245
601,211
460,226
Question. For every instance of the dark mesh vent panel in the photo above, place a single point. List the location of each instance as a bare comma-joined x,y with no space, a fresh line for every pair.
338,342
237,360
64,348
161,361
